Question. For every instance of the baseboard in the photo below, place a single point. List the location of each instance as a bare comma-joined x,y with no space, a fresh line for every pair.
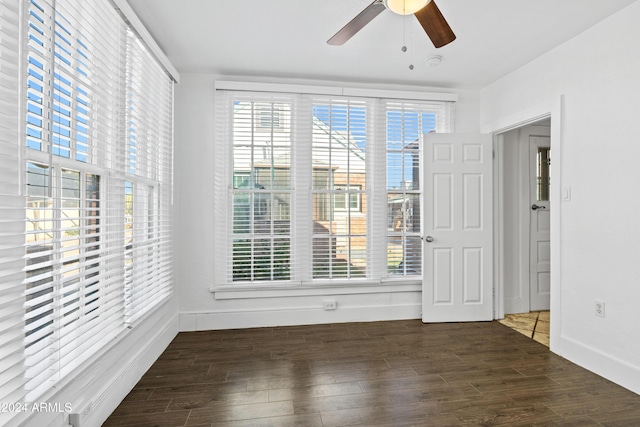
605,365
235,319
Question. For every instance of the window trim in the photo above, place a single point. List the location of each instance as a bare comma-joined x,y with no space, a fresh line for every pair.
402,95
316,288
134,22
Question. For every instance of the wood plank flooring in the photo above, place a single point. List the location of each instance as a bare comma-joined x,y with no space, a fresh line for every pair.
399,373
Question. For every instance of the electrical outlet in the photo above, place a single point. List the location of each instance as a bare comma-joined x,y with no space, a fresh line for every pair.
599,308
330,304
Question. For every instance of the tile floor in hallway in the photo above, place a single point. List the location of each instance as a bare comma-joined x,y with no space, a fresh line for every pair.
534,325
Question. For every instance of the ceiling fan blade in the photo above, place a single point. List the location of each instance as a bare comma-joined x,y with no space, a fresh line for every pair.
435,25
357,23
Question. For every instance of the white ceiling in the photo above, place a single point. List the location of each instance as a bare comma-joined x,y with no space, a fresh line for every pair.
287,38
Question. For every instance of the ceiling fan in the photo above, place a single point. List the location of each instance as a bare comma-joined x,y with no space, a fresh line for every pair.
426,11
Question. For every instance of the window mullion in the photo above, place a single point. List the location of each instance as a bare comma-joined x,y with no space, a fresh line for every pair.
56,297
376,191
302,176
223,190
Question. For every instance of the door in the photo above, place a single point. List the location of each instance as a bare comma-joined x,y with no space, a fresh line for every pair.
540,236
458,253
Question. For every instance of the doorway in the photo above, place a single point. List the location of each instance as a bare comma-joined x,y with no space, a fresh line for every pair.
525,211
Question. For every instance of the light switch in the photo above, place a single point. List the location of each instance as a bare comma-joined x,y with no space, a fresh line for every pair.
566,194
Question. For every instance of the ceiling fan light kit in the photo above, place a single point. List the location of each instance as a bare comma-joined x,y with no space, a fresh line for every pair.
405,7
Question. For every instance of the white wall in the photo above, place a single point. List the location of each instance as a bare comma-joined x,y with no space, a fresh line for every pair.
596,248
200,309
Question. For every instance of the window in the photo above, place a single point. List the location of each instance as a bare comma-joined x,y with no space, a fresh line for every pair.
339,173
147,182
348,198
261,194
405,123
68,140
271,118
543,181
334,195
64,272
86,188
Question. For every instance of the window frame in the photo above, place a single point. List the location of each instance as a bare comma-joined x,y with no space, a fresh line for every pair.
88,260
301,283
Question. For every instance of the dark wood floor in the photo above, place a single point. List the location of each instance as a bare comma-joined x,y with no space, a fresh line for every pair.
400,373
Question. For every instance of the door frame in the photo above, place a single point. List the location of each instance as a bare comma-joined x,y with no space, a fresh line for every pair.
554,111
515,157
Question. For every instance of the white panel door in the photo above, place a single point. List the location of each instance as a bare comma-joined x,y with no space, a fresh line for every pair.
458,242
540,235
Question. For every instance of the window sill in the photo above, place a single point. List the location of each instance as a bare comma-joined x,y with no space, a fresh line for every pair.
316,288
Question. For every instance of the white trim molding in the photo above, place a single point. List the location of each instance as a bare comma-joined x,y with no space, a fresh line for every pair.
295,316
553,110
130,16
334,90
275,291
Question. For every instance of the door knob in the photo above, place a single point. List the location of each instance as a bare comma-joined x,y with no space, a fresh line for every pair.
534,207
428,239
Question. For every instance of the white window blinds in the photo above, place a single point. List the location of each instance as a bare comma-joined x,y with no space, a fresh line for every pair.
261,190
313,188
406,122
74,298
85,188
12,295
148,181
339,192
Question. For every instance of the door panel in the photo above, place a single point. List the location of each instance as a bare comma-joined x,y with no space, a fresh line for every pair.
458,264
443,275
472,202
442,191
472,275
